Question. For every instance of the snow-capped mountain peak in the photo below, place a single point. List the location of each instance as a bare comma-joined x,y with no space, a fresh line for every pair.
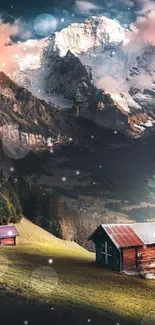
95,65
94,33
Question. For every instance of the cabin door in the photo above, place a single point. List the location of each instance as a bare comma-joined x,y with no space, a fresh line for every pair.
129,258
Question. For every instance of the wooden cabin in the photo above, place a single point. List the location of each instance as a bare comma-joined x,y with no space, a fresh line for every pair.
123,247
8,235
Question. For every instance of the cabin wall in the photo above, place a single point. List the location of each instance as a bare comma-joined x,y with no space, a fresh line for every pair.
138,257
8,241
104,244
129,258
146,255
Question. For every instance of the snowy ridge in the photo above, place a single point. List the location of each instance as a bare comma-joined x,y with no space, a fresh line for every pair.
94,33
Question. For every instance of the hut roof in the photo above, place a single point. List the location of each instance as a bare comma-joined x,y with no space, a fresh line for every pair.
8,231
127,235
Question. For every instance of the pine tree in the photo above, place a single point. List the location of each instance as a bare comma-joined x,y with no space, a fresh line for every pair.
5,210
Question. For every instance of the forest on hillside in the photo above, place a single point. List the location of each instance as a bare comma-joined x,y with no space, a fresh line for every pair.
20,196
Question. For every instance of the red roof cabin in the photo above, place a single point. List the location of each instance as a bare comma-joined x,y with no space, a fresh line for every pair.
123,247
8,235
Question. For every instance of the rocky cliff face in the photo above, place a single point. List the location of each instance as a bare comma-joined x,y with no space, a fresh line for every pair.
94,64
26,122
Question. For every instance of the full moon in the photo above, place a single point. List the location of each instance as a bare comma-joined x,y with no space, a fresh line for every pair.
45,24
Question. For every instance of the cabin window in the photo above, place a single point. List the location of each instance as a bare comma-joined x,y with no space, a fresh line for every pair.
102,248
109,250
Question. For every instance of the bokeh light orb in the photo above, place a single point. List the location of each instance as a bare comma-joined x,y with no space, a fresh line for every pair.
45,24
43,277
15,143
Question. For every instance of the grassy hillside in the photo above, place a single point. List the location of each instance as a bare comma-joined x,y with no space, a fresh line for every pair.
33,234
51,271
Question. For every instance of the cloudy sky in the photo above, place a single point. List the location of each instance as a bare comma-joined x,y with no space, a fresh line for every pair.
67,11
20,20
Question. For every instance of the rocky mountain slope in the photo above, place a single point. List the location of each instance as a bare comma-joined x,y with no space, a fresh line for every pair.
28,123
95,64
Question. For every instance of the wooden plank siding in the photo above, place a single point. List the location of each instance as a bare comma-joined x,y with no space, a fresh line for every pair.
129,258
147,255
8,241
138,257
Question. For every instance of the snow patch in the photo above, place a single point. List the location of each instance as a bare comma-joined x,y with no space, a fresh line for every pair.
150,276
139,127
149,123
